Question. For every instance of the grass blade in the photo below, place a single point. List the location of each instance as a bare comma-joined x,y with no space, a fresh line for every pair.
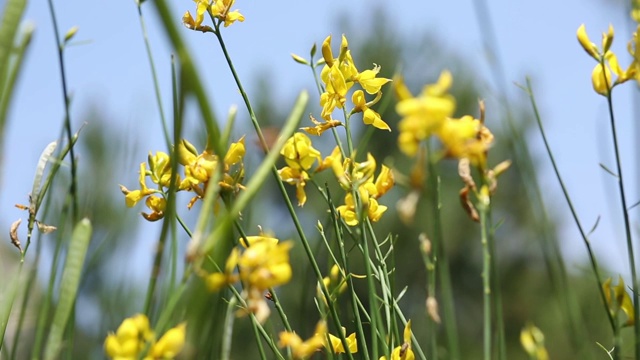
69,286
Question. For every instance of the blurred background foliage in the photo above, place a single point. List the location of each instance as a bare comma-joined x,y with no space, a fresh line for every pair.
536,284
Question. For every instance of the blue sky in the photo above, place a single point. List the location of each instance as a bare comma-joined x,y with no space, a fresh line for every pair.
535,39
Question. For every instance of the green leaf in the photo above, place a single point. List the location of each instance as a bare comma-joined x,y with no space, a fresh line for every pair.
69,286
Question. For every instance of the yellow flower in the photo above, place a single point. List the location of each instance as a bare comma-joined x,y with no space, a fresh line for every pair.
130,338
131,198
304,349
265,264
198,168
298,178
252,240
591,48
466,138
335,91
601,76
348,211
619,301
368,80
532,341
369,117
236,153
337,347
403,352
170,344
157,204
201,9
220,10
299,152
422,115
160,169
384,181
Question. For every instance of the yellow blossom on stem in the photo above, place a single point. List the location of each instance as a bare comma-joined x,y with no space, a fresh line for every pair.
220,9
618,299
160,169
252,240
403,352
466,138
336,346
369,117
299,152
369,81
335,92
265,265
601,76
130,338
132,197
236,153
196,24
304,349
532,340
424,114
170,344
157,204
297,178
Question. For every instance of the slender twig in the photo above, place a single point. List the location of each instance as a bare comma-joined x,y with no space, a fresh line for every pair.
154,75
574,214
67,114
625,214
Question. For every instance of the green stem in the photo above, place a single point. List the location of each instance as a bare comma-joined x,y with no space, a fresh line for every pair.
574,214
627,224
443,263
497,290
228,329
154,75
67,115
486,278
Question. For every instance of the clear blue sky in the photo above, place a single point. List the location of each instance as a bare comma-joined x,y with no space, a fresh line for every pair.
535,38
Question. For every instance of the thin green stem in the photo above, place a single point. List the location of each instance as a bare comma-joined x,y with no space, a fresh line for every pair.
67,114
442,263
496,289
486,277
154,75
625,214
574,214
228,329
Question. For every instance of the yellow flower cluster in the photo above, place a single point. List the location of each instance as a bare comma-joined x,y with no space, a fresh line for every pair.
217,9
198,169
430,114
338,76
263,264
300,156
303,349
357,178
134,336
601,76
